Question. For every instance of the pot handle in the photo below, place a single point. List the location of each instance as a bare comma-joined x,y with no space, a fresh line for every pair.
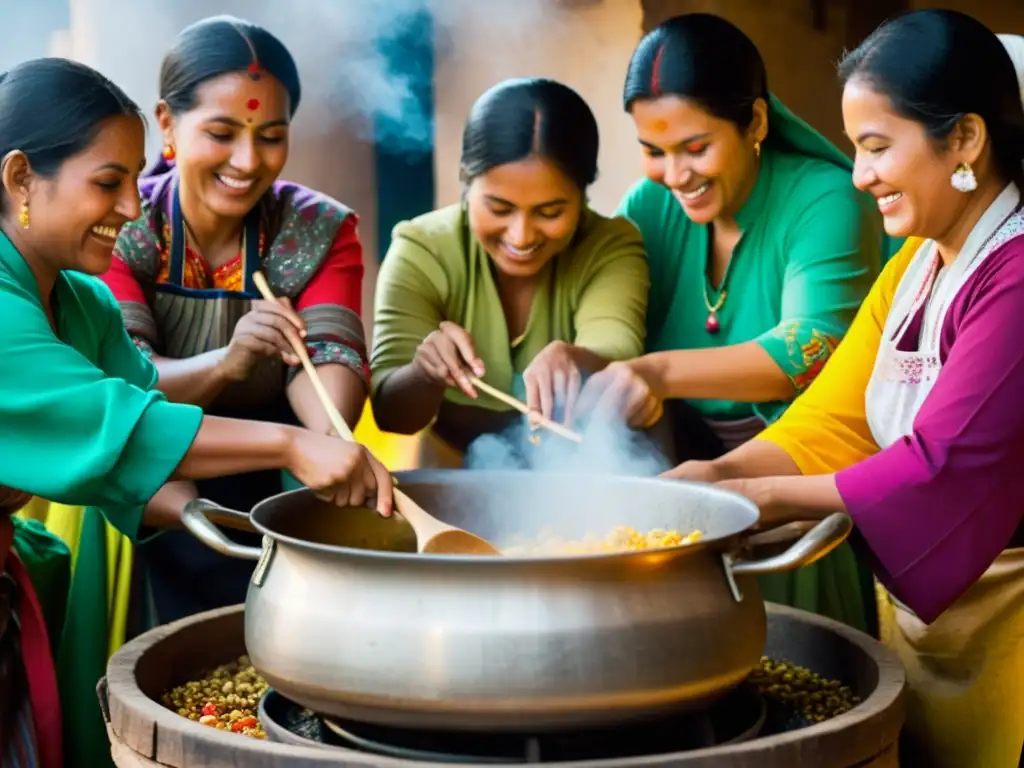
812,546
194,518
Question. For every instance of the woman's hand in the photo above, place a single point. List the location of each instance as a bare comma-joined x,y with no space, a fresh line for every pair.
262,333
337,470
11,500
553,379
620,389
448,356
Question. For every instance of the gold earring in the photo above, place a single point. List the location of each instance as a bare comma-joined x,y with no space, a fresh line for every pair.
757,148
23,215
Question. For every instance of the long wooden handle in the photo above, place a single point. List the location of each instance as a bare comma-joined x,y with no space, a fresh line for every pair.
407,505
522,407
300,350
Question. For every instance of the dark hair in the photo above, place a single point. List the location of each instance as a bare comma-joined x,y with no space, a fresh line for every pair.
51,109
521,118
701,57
217,46
935,67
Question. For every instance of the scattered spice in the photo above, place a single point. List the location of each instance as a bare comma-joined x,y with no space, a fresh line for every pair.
225,698
812,696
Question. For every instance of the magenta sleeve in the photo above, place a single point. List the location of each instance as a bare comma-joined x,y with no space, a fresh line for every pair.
938,506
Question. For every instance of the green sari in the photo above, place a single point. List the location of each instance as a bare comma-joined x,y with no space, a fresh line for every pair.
82,426
810,249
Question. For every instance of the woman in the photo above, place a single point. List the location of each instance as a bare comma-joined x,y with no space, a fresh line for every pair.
213,214
521,285
761,250
915,426
81,421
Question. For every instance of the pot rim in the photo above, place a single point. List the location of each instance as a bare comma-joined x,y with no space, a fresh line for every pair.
722,542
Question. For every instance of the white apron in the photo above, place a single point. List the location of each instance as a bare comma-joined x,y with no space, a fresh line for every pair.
965,671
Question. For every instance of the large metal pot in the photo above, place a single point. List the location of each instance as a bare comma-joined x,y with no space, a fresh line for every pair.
345,618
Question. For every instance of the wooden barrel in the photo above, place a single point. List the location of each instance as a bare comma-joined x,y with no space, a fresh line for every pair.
145,734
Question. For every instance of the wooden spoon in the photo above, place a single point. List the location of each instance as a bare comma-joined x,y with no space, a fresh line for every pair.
538,420
432,536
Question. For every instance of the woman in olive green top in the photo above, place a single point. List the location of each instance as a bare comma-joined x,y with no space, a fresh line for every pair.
761,250
522,284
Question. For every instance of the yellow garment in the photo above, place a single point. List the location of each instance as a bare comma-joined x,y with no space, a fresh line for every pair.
965,671
66,522
825,429
965,703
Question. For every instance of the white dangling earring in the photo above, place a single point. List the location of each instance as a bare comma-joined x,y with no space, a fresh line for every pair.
963,179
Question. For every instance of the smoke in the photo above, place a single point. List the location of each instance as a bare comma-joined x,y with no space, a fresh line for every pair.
371,62
609,447
360,60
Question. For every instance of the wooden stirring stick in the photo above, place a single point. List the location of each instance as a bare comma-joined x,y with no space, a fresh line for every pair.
432,536
522,407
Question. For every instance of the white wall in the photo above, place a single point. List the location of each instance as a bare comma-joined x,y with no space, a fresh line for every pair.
585,45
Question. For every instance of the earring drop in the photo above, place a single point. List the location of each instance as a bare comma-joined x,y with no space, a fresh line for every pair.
963,178
23,215
168,153
757,148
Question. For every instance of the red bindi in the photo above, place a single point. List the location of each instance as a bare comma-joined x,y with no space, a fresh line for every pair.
253,104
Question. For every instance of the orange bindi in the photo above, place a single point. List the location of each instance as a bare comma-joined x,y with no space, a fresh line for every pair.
660,125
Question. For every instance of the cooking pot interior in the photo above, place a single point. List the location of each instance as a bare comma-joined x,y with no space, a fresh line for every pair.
510,508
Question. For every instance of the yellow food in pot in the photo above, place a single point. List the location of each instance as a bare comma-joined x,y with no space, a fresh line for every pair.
621,539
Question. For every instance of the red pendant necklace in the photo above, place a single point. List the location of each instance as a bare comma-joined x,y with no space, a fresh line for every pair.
711,325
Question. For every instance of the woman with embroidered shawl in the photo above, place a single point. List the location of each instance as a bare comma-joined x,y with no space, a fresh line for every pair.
916,426
761,250
82,421
522,284
213,213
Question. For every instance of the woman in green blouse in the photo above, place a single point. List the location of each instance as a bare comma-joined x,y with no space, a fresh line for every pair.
761,250
521,284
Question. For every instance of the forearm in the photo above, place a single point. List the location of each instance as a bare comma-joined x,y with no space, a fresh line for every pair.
345,387
741,372
164,509
233,446
755,458
194,380
816,495
407,401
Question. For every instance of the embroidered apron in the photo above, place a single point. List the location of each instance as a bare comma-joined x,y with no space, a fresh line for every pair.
965,671
184,576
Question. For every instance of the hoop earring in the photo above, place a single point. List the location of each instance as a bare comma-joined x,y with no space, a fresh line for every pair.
963,178
23,217
168,153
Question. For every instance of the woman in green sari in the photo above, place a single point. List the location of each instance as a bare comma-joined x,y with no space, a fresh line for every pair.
82,421
761,250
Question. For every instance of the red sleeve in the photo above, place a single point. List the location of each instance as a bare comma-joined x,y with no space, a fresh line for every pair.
122,283
339,280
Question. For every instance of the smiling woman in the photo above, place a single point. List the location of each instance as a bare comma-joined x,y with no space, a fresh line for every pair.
522,284
761,250
82,422
213,213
